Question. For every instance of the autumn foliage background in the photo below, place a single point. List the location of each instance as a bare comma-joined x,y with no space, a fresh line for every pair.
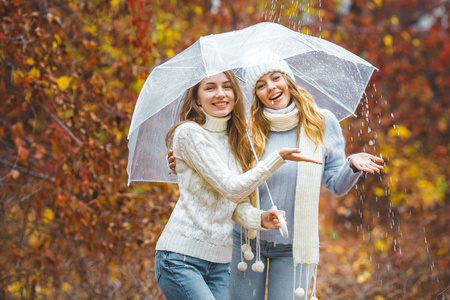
71,71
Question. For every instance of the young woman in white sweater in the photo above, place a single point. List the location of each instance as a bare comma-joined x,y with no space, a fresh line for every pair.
213,158
285,115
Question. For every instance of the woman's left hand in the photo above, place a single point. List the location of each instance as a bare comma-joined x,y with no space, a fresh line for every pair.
366,162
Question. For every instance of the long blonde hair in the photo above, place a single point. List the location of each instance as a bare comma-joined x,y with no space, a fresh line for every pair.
309,118
236,128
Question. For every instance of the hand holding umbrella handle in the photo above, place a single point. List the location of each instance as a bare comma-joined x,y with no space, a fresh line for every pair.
283,230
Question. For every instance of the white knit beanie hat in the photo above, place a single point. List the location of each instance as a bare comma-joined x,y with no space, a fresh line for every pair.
261,62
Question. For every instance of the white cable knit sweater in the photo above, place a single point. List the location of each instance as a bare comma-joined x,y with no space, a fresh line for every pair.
211,185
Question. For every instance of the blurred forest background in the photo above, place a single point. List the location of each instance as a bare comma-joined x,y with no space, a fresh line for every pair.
70,74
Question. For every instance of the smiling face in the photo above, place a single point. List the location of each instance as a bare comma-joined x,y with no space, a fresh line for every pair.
216,95
272,90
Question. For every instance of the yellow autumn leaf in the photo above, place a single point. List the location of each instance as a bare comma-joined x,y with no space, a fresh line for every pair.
112,201
394,20
35,239
325,34
413,171
113,266
441,251
65,287
119,136
381,246
169,52
305,30
114,3
48,216
364,277
17,74
387,40
337,37
406,36
91,29
34,73
30,61
378,3
309,10
429,193
442,124
416,42
396,198
14,287
400,131
138,84
198,10
378,297
45,291
379,192
63,82
114,52
57,38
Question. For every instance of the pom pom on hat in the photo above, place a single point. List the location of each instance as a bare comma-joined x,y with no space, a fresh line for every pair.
261,62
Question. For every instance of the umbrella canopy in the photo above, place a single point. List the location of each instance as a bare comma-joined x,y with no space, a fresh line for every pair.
335,77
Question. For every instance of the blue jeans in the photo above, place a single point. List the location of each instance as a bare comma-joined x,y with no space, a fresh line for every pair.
182,277
252,285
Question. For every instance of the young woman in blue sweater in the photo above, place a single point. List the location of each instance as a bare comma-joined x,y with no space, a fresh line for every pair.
285,115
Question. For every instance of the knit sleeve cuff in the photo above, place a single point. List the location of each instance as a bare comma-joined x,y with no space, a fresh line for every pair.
248,216
357,172
254,220
273,161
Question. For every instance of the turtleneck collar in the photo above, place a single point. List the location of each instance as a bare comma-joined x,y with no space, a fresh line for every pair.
214,124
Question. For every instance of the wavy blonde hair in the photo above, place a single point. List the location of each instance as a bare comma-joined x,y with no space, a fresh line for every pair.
236,128
309,118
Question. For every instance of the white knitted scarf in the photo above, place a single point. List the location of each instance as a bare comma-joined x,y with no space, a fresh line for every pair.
309,177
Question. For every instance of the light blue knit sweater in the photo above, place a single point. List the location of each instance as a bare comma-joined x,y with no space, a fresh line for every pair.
337,175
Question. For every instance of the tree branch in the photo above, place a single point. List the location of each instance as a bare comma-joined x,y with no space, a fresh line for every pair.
63,126
27,172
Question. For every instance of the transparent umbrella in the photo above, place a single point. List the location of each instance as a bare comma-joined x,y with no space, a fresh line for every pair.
335,77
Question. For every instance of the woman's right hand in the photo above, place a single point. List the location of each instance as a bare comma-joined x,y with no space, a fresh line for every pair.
293,154
269,219
171,160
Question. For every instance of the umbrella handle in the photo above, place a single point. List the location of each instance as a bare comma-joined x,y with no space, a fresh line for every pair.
283,230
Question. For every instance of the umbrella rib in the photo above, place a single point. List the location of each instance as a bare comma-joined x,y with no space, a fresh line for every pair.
203,58
304,37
